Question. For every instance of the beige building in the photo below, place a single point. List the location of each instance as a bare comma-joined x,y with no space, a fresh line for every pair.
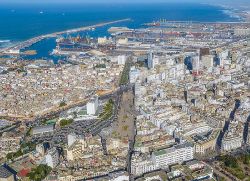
75,151
233,137
207,144
207,61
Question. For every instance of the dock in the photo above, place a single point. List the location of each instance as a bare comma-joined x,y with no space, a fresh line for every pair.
16,48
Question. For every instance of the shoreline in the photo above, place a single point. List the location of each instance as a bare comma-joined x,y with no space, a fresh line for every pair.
31,41
238,12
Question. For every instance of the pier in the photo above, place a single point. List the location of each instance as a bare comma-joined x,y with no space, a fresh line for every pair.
16,48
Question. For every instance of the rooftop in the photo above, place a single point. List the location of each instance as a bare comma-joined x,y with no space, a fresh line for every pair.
4,173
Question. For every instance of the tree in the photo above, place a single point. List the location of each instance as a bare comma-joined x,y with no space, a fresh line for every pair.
39,173
65,122
231,162
62,104
9,156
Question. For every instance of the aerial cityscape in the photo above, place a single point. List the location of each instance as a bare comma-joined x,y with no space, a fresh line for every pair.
124,91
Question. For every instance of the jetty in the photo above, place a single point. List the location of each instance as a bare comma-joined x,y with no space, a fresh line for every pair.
15,49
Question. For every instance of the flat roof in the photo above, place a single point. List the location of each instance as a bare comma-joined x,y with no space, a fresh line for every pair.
159,152
4,173
40,129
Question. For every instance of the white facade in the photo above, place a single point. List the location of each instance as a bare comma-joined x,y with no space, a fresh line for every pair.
231,144
208,61
152,60
156,60
133,75
40,149
242,31
196,63
176,154
52,158
122,41
141,167
224,54
121,178
233,137
92,106
102,40
121,59
71,139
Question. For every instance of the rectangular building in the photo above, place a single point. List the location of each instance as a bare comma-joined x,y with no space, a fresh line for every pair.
173,155
42,129
52,158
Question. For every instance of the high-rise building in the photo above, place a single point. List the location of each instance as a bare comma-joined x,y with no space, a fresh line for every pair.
71,139
52,158
76,146
92,106
208,61
188,63
196,63
150,60
40,149
153,60
133,74
121,59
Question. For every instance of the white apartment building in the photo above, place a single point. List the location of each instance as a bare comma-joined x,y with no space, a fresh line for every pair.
175,154
92,106
208,61
233,138
52,158
242,31
140,167
231,143
133,74
121,59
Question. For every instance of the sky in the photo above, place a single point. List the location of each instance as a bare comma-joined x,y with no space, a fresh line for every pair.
225,2
109,1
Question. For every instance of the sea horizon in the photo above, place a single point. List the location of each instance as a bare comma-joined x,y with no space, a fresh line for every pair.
20,23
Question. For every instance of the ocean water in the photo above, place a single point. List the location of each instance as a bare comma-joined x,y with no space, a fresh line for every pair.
21,22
